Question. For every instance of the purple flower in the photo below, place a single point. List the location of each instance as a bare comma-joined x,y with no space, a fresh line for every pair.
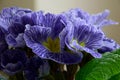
83,31
13,61
10,20
39,39
79,37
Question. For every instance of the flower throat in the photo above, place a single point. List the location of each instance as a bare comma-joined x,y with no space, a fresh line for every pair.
52,44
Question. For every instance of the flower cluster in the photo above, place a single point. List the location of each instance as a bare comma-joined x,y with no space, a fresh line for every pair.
29,40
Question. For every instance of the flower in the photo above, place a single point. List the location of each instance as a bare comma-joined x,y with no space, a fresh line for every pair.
83,38
10,20
43,40
39,45
13,61
37,38
83,31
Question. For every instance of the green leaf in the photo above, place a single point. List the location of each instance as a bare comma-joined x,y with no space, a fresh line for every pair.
115,77
101,69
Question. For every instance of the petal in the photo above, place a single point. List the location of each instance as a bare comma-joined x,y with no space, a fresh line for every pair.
94,40
49,20
104,49
57,28
98,18
11,40
107,23
62,36
82,14
36,33
26,19
14,67
38,18
63,58
101,20
15,41
10,15
11,11
78,48
78,13
67,31
5,23
16,29
109,43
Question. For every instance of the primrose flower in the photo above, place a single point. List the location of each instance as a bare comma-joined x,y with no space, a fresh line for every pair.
81,37
37,38
83,31
44,41
13,61
10,20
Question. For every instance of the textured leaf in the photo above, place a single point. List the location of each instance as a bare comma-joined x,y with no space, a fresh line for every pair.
116,77
101,69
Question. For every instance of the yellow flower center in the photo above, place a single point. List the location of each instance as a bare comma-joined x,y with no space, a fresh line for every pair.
82,44
52,45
